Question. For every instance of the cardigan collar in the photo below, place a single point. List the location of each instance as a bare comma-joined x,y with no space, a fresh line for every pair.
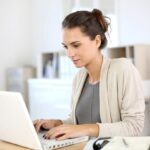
104,107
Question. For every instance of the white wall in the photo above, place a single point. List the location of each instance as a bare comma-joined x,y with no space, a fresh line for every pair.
47,16
15,35
134,22
28,27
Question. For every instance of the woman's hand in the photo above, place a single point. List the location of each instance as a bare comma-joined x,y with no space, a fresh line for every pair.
66,131
46,124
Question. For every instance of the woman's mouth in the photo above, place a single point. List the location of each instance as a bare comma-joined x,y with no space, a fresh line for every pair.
75,61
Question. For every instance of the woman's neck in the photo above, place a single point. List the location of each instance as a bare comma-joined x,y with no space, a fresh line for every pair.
94,69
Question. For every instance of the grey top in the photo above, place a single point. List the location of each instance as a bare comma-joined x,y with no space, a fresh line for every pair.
87,109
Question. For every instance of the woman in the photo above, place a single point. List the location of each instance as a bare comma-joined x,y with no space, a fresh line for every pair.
107,98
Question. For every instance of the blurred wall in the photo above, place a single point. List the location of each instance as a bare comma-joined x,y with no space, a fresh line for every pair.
134,22
47,16
29,27
15,35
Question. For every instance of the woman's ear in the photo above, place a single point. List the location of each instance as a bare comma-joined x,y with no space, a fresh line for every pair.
98,40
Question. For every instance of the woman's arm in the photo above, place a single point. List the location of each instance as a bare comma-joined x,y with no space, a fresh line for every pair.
66,131
132,104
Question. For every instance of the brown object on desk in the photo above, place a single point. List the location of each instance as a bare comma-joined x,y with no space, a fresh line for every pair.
78,146
9,146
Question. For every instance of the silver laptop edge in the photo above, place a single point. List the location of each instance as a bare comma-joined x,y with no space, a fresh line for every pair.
22,132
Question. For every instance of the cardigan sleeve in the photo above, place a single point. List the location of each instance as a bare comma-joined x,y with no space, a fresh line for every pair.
132,105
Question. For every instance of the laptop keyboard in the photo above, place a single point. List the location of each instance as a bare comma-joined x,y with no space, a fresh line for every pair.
54,144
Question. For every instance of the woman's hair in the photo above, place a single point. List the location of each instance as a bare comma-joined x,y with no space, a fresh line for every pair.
91,23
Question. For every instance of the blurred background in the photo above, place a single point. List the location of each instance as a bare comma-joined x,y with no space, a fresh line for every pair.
33,61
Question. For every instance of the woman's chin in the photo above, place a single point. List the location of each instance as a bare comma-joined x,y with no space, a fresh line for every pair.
78,65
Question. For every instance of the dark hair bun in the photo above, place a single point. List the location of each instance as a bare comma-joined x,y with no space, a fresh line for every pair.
91,23
101,19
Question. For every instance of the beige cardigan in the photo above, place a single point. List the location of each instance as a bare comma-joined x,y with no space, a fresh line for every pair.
122,102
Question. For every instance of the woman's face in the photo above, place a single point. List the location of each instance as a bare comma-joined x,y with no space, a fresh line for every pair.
79,47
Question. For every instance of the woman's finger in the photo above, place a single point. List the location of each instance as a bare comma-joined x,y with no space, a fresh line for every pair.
57,134
38,125
35,122
62,137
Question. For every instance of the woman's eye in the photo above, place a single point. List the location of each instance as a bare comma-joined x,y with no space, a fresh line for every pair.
76,46
65,47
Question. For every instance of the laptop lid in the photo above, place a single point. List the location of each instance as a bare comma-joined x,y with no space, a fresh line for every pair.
15,123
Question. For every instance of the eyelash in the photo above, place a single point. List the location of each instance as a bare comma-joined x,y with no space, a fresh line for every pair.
75,46
65,47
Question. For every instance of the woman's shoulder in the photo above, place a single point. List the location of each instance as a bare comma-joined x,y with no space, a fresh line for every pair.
122,67
121,63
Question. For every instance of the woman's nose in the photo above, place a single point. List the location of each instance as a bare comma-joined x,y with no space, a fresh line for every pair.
70,53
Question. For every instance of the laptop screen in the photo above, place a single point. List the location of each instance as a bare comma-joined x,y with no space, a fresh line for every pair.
16,125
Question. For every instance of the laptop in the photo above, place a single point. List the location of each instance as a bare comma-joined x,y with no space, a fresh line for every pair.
16,125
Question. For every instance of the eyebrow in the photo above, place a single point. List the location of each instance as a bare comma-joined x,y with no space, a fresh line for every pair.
71,43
